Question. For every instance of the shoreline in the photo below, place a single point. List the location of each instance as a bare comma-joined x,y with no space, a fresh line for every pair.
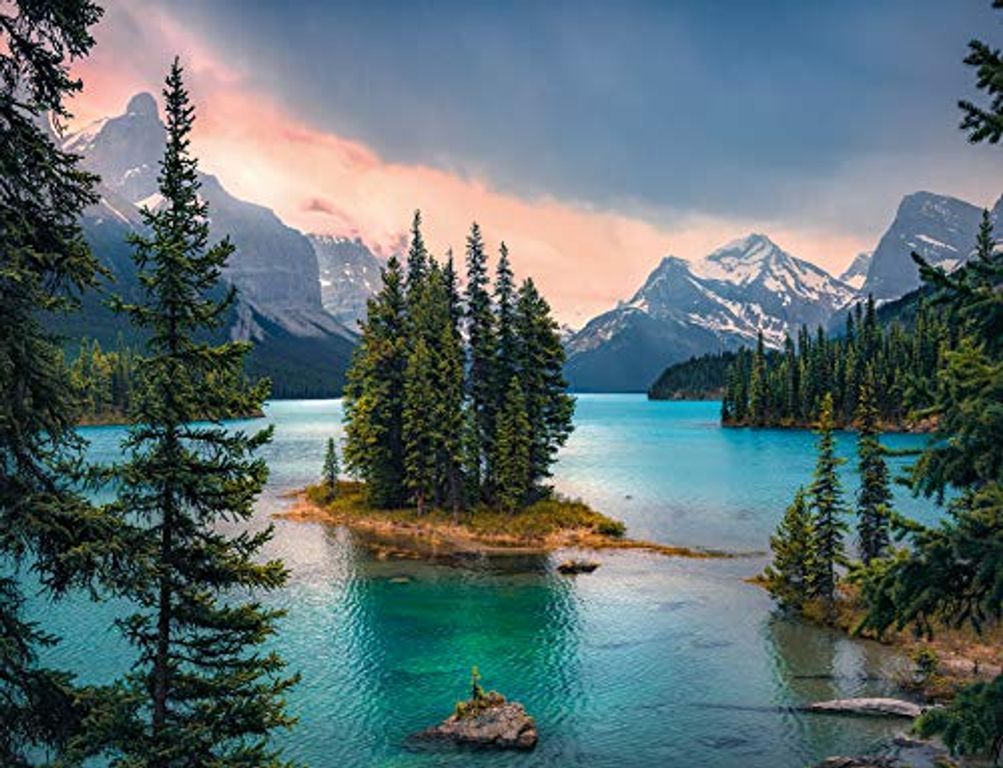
402,533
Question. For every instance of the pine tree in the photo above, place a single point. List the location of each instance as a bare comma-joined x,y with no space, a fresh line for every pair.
789,576
331,467
374,395
540,360
513,445
417,255
504,302
482,341
826,498
420,429
874,497
757,384
44,266
202,692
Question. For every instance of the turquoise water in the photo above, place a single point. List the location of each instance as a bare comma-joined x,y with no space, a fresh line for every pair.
649,661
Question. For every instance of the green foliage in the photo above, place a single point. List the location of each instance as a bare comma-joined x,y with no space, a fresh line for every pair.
788,578
103,380
927,664
481,388
374,395
825,496
770,388
875,496
695,379
953,573
201,692
513,446
425,428
45,266
479,701
972,723
332,467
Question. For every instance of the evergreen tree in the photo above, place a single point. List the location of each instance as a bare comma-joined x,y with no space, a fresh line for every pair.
874,497
331,467
201,691
417,255
757,384
826,498
44,265
420,429
374,395
513,460
482,341
789,577
504,302
540,360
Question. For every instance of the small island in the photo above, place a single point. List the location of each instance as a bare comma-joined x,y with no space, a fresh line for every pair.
545,526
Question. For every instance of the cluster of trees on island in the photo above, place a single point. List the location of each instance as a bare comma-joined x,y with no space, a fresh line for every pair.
455,401
103,380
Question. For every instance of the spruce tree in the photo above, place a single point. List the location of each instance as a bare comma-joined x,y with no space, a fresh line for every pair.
757,384
201,692
825,495
513,445
374,395
482,342
419,427
540,363
417,255
44,266
504,302
789,576
874,496
331,467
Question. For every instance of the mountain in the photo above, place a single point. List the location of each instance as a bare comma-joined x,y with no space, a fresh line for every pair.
296,341
349,275
939,228
855,274
683,310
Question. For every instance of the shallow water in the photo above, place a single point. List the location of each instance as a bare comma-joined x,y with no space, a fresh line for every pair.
649,661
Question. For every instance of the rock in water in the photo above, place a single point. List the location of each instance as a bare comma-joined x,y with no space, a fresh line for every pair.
877,707
503,726
577,566
860,762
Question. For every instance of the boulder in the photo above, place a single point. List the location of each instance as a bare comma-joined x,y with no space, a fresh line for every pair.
501,726
879,707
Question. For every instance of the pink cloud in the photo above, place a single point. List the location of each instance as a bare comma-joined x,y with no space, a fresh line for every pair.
583,258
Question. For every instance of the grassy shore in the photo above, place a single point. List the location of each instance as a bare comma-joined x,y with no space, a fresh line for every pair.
546,526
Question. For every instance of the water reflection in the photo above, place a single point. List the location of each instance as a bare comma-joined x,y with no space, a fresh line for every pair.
811,664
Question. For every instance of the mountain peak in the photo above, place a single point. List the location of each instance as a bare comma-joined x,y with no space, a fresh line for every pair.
142,105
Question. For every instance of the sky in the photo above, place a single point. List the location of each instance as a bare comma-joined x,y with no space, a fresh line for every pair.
593,137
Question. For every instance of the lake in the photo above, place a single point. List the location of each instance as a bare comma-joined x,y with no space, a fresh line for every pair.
648,661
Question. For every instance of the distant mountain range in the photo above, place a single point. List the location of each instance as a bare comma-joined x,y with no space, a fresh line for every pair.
281,307
722,301
349,275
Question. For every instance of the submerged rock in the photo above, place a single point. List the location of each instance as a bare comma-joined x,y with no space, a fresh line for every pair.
872,761
501,726
880,707
577,566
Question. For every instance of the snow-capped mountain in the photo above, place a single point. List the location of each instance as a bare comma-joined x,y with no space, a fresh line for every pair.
939,228
683,309
274,266
349,275
855,274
